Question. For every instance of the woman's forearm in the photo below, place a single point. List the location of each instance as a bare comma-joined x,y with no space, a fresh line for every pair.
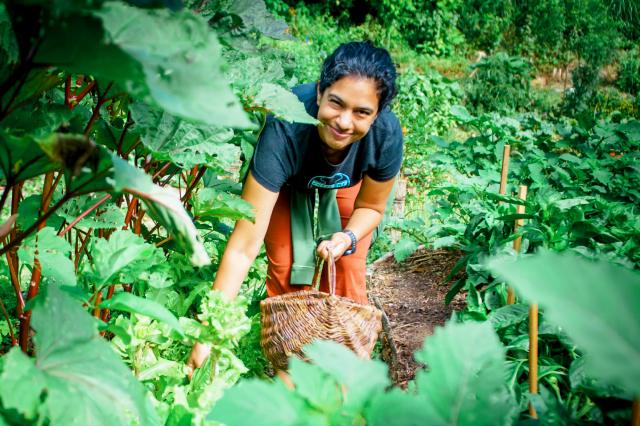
233,269
363,221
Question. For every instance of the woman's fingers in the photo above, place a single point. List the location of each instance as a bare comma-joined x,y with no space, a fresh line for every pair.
337,245
198,355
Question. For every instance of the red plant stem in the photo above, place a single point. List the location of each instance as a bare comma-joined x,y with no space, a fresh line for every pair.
191,187
98,300
163,242
132,207
79,97
137,227
36,275
161,171
96,110
14,341
84,214
15,282
134,146
67,92
105,312
76,261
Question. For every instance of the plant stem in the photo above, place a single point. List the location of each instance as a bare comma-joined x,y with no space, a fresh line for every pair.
36,275
96,110
5,194
14,341
127,125
84,214
191,187
132,207
83,246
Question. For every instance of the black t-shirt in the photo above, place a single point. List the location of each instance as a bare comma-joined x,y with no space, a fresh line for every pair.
290,153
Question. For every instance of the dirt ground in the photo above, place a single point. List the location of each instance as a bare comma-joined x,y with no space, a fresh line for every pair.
412,296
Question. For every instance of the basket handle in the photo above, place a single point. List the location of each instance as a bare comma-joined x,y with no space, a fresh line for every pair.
331,265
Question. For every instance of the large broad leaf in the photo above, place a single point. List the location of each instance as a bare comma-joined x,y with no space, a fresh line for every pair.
398,408
112,256
254,402
22,158
187,144
181,61
283,104
254,15
595,302
130,303
53,254
213,203
465,380
76,378
508,315
362,379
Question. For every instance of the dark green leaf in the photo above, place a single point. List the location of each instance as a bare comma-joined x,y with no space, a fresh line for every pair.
404,248
508,315
52,252
571,289
283,104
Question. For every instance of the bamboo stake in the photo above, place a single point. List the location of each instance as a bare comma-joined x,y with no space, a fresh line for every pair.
533,355
635,414
517,243
505,169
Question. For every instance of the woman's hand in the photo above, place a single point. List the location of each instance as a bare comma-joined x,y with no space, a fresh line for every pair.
197,357
338,244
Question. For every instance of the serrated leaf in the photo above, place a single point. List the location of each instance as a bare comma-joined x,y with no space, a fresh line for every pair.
362,378
138,305
571,289
52,252
320,390
283,104
258,402
187,144
465,381
397,408
111,256
254,15
180,58
21,384
213,203
82,378
448,241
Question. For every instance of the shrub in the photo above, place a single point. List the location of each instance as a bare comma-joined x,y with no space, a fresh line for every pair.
500,83
629,72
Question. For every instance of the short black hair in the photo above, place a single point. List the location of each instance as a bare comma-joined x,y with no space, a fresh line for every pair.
361,59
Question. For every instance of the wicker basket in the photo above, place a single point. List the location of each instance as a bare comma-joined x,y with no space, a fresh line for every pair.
292,320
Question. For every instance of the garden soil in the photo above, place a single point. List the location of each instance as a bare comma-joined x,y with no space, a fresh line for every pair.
412,296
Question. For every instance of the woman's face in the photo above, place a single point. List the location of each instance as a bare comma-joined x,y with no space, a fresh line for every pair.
346,111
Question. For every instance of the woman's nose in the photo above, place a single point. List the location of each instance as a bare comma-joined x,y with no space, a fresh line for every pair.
345,120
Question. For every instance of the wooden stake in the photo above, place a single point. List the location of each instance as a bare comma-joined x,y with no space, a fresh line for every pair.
505,169
635,414
517,243
533,355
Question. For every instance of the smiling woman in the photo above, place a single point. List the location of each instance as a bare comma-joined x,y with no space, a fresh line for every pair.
348,163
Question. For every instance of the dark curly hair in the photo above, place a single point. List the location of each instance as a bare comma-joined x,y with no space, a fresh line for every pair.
362,59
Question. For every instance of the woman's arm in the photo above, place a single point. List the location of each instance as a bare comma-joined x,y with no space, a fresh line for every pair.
246,239
367,214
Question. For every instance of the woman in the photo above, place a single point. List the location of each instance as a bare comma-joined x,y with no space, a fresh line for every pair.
348,162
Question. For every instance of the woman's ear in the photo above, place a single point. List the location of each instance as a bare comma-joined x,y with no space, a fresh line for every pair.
318,94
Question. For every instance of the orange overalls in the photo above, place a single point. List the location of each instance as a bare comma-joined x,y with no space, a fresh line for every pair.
350,270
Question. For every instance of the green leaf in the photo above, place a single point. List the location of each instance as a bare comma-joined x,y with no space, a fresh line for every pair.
21,384
397,408
259,403
283,104
52,252
107,216
361,378
405,248
254,15
320,390
8,44
448,241
111,256
461,114
465,381
21,158
181,61
82,379
187,144
128,302
570,289
508,315
210,202
568,203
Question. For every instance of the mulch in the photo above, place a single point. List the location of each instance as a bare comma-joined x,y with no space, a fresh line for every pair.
412,296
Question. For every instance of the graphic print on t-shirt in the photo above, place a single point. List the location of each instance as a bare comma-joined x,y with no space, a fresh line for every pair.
335,181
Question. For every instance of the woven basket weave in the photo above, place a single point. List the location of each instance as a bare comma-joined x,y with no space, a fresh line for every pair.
292,320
